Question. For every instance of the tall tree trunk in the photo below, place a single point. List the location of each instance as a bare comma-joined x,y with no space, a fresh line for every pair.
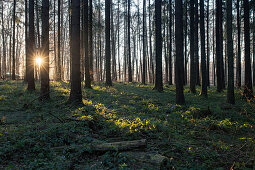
170,45
13,40
179,65
45,87
59,39
248,91
253,47
159,81
197,44
219,46
185,41
31,49
230,93
144,43
3,43
108,42
192,59
203,54
91,58
238,60
208,46
129,47
87,73
76,95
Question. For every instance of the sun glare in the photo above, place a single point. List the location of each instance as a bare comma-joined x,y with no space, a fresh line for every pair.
38,61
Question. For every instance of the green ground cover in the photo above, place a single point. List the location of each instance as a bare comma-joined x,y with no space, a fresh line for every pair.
203,134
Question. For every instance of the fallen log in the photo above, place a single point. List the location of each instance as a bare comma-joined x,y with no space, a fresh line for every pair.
104,147
154,160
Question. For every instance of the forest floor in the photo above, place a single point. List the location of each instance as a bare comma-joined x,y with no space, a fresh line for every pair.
205,133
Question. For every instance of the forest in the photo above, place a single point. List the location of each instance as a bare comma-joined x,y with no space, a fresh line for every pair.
127,84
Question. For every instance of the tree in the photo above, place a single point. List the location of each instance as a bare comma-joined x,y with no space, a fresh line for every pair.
208,46
203,55
3,41
129,48
238,60
59,39
219,46
107,42
75,95
45,87
90,50
230,92
192,59
158,81
197,44
86,52
13,40
170,45
144,43
254,46
179,65
31,49
248,91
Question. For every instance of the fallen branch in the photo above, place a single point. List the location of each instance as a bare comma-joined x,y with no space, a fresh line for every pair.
114,146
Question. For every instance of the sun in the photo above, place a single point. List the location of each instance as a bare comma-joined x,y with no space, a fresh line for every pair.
38,61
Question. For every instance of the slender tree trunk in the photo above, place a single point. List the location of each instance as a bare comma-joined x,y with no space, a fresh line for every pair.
179,65
192,59
45,87
31,49
86,47
170,45
91,58
203,54
159,81
129,47
208,46
144,43
59,39
108,42
253,47
76,95
248,91
230,93
4,43
13,40
197,44
238,60
219,53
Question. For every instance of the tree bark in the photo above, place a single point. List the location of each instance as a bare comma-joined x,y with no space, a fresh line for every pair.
192,59
203,54
31,49
179,65
45,87
75,95
248,91
159,81
13,40
230,92
108,42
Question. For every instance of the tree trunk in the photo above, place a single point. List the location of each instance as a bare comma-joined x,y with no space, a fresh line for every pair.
170,45
179,65
248,91
208,46
159,81
31,49
13,40
219,43
203,54
45,87
144,43
59,39
108,42
192,59
238,60
4,43
197,44
90,50
230,92
75,95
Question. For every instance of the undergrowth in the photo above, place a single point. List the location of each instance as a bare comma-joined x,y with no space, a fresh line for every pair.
205,133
